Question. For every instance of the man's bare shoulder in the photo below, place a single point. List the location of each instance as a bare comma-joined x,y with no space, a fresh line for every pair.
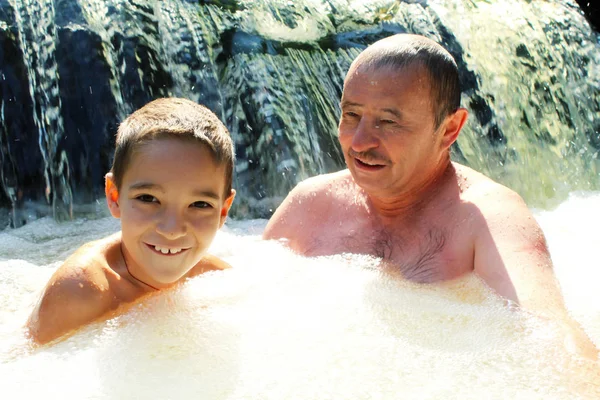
78,292
307,203
322,185
486,194
498,212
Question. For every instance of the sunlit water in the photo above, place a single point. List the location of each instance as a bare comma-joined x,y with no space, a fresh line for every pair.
279,326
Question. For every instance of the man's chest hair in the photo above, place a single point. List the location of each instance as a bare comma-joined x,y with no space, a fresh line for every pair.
417,257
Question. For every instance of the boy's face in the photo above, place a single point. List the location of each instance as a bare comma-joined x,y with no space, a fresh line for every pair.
171,205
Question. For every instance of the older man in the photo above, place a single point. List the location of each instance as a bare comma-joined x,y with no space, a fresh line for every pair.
403,200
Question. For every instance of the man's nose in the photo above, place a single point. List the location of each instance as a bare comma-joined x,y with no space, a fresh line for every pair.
171,225
365,136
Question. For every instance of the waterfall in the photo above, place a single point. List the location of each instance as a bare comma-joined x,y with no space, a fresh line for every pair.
272,70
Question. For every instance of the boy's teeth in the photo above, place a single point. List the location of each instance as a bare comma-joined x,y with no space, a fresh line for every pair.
167,251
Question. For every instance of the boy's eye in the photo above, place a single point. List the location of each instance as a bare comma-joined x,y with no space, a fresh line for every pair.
200,204
146,198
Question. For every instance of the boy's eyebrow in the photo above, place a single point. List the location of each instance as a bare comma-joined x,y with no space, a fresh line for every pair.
145,186
152,186
206,193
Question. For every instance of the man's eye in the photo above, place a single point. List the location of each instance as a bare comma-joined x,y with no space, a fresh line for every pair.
146,198
388,121
200,204
350,114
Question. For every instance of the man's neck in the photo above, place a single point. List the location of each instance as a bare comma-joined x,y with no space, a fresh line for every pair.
411,203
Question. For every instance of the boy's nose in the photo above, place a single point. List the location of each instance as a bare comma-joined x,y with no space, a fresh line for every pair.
171,226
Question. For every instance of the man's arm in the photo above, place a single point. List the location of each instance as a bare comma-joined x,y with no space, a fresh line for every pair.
511,256
72,298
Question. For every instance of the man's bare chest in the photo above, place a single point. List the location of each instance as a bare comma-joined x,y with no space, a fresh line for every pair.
423,255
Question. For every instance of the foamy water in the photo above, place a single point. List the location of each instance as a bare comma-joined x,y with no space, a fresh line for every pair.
279,326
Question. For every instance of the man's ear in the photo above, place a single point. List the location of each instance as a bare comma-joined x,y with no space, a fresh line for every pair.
226,206
452,126
112,195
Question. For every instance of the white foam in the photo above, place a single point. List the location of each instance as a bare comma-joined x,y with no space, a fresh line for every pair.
574,241
280,326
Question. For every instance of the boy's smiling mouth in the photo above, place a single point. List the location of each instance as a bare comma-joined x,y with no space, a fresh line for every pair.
166,251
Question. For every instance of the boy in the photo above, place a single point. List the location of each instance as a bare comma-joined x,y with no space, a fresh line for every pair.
170,185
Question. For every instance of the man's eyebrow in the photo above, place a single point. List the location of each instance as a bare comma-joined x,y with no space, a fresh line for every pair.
347,103
394,112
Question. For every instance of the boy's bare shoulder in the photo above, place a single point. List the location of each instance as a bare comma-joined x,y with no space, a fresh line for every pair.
91,264
208,263
78,292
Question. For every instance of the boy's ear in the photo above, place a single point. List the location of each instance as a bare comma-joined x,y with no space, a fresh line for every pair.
112,195
226,206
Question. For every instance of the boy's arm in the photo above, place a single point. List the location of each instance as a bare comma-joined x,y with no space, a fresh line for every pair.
71,299
511,256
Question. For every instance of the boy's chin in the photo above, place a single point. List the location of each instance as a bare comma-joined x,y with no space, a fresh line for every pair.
164,279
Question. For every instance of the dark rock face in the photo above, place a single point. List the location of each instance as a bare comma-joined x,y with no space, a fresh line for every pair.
89,111
591,9
71,71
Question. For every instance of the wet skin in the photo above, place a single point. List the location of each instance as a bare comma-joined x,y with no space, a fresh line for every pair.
171,204
403,201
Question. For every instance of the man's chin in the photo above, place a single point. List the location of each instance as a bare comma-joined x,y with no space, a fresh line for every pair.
378,183
370,182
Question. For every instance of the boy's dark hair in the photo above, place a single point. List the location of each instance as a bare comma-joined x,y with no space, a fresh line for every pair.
173,118
401,51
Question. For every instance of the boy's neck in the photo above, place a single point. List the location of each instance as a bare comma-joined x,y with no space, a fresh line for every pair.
131,274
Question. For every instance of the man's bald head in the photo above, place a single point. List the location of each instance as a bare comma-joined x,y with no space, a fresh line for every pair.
402,51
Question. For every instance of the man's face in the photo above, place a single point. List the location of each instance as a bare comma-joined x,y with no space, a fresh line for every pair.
171,205
387,130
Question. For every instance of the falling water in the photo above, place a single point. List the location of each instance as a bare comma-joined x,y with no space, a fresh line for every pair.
273,71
